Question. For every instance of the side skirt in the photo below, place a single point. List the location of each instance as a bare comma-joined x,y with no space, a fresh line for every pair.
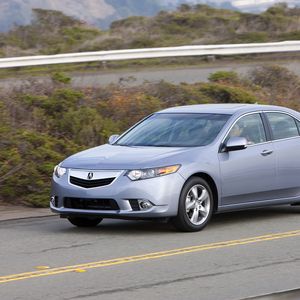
259,204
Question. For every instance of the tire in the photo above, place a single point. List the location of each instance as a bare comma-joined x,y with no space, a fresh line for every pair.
195,207
84,222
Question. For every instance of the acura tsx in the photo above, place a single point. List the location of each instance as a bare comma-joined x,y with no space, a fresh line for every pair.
185,164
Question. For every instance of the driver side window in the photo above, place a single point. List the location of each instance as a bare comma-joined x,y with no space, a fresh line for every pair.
250,127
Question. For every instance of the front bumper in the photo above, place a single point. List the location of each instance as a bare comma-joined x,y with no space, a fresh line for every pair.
163,193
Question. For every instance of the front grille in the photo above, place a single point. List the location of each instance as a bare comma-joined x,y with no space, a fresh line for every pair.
90,203
91,183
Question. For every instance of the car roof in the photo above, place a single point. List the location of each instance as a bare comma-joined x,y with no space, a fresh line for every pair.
224,108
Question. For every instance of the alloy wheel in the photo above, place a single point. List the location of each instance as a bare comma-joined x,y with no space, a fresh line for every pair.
197,204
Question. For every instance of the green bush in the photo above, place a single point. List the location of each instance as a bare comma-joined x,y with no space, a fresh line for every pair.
252,37
274,77
27,162
142,42
289,36
60,77
224,76
228,94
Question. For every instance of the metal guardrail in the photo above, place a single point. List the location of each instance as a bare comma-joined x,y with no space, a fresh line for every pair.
205,50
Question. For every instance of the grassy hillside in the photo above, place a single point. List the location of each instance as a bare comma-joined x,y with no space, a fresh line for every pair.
99,13
53,32
50,32
42,124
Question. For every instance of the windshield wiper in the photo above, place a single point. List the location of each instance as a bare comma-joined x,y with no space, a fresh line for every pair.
125,145
162,145
143,145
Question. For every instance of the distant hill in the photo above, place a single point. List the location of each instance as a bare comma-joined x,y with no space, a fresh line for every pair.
101,13
95,12
53,32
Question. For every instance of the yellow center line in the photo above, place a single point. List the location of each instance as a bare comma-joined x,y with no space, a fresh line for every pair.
154,255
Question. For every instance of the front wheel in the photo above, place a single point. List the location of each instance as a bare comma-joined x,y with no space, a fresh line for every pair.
84,222
195,206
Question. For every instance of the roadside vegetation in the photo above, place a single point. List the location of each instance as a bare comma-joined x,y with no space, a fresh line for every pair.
41,124
52,32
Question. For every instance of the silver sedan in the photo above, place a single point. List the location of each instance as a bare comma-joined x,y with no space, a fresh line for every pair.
184,164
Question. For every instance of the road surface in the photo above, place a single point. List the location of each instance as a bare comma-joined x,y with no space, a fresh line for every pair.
133,77
239,255
174,75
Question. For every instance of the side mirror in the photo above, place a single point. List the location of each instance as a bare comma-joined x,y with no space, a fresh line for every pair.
236,143
113,138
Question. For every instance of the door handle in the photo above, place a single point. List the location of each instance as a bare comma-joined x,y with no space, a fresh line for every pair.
266,152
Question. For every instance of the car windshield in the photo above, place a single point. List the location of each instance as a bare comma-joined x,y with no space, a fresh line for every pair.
175,130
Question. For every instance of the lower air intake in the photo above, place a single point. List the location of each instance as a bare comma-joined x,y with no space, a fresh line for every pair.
91,204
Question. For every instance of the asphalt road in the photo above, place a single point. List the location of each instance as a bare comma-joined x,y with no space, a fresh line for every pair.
174,75
133,77
238,256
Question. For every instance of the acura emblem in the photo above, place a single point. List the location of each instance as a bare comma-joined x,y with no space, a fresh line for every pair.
90,175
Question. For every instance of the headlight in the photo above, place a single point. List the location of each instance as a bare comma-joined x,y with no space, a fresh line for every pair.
59,171
151,173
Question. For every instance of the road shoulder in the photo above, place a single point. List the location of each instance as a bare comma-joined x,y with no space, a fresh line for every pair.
12,212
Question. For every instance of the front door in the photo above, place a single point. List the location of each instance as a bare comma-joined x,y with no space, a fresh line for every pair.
248,175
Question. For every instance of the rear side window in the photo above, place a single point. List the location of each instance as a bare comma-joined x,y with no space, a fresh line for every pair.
298,124
283,126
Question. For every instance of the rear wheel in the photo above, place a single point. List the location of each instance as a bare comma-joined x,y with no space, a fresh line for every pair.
84,222
195,206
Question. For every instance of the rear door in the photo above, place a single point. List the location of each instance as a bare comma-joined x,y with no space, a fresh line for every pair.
248,175
285,131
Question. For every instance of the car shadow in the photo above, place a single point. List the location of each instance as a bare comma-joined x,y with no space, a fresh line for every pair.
265,213
110,226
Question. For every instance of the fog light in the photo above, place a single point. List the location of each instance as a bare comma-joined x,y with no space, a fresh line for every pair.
54,201
144,204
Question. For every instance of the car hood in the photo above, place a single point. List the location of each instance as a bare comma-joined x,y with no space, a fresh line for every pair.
114,157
